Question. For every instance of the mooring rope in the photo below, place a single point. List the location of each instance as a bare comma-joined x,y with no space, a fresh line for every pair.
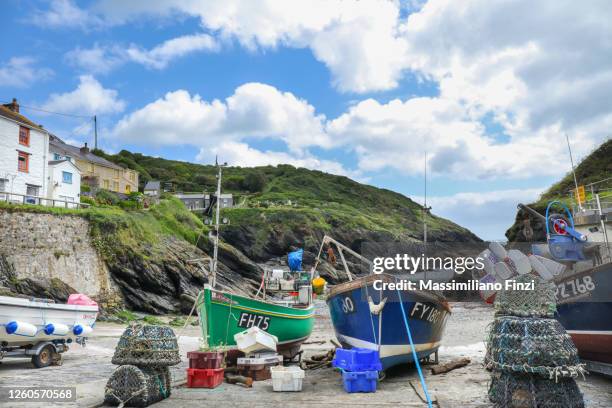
414,354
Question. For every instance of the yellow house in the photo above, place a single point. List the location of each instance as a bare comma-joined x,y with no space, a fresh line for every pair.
95,170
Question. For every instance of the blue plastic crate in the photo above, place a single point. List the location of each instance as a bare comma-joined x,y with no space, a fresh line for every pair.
357,359
359,381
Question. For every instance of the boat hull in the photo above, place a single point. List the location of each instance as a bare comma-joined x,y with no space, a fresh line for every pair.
587,316
225,314
39,314
356,326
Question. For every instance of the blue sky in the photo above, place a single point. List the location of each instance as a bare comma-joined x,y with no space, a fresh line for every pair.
357,88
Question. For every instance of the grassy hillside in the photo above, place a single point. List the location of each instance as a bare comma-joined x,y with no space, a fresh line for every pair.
595,167
275,195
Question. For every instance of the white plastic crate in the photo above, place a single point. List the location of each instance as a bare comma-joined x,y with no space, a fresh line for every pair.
260,359
255,339
287,378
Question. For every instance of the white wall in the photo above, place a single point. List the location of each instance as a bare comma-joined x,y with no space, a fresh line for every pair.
9,145
58,189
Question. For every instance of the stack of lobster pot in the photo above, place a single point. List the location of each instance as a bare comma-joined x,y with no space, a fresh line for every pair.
144,354
533,360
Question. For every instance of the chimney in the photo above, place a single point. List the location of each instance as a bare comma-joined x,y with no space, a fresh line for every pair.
85,149
14,106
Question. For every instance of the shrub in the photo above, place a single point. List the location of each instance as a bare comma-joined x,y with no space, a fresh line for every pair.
107,197
254,182
88,200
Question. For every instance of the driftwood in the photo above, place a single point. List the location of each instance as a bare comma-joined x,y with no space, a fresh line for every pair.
318,360
451,365
239,379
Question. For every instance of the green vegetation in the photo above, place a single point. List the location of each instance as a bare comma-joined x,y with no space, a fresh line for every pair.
153,320
126,316
270,196
595,167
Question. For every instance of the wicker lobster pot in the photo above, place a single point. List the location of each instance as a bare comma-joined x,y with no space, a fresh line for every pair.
147,345
137,386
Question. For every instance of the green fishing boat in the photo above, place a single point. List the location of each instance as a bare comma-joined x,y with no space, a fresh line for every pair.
282,306
224,314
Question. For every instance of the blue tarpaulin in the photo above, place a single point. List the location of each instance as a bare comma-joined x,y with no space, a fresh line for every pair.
295,260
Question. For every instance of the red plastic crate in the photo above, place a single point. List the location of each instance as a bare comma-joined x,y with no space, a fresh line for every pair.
206,359
204,378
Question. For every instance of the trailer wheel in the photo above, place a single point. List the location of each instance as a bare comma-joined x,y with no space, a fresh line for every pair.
44,358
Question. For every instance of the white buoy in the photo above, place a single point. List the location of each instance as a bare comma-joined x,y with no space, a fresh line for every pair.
56,329
498,250
539,267
21,328
554,267
520,261
489,260
81,330
502,272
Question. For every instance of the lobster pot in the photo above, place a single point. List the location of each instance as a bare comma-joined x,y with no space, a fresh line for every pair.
532,345
540,301
137,386
147,346
528,391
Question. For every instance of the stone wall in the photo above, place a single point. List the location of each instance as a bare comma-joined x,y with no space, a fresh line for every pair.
46,246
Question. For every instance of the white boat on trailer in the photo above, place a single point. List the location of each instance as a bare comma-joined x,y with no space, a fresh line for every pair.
42,329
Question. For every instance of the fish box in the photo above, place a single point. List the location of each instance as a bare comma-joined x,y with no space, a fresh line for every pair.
206,359
287,378
357,359
204,378
255,339
260,359
359,381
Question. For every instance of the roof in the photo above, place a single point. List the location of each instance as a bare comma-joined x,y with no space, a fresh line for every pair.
152,185
18,117
192,195
56,162
77,153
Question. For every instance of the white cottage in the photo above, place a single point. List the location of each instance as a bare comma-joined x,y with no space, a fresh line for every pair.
64,183
24,148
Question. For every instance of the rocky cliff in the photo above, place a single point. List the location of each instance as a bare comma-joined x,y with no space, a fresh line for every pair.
150,260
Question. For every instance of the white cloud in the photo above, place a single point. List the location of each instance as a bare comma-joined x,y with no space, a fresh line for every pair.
241,154
254,110
97,59
89,98
101,59
487,214
159,56
65,14
20,72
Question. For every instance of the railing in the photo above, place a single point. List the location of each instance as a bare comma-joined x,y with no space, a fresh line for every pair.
16,198
601,187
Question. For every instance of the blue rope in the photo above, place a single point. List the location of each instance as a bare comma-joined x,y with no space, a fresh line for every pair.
414,354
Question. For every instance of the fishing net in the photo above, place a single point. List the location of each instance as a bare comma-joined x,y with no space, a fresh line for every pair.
528,391
532,345
147,346
137,386
541,301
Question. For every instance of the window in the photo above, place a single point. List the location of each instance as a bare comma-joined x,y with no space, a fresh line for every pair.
56,156
106,184
3,185
24,136
67,177
131,176
32,190
23,161
117,174
128,189
91,167
116,186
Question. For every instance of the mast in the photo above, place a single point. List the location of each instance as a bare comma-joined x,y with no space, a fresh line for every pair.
425,204
216,244
573,170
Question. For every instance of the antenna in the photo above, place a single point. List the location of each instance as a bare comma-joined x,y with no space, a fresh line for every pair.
95,132
569,148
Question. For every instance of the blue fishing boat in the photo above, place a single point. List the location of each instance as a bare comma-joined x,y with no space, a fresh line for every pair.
368,318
